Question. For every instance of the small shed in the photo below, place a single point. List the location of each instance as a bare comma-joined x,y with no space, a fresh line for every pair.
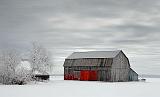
110,66
39,76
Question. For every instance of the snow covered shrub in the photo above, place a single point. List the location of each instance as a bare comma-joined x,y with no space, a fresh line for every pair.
23,76
9,73
9,59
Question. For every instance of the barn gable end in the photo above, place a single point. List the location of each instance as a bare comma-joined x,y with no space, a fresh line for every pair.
120,68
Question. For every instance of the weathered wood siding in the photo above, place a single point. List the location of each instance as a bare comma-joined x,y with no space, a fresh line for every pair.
120,68
75,70
104,74
88,62
101,65
133,76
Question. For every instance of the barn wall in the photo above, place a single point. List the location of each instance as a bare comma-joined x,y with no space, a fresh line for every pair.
104,74
120,68
89,62
68,73
101,65
74,71
133,76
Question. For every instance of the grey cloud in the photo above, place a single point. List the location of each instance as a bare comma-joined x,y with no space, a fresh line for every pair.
140,29
66,26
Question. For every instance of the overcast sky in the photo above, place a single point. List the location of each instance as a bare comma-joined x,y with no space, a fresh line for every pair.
65,26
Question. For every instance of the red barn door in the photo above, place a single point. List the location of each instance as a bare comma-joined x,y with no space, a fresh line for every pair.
88,75
84,75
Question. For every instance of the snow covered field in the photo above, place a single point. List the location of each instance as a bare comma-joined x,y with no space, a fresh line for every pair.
57,87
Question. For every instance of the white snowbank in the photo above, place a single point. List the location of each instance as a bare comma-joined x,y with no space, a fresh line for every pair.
57,87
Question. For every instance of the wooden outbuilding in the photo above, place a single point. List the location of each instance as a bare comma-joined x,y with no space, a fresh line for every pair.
110,66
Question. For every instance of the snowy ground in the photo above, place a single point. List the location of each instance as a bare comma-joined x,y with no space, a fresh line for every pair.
57,87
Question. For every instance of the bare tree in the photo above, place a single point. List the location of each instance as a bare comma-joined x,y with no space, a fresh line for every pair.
40,59
9,60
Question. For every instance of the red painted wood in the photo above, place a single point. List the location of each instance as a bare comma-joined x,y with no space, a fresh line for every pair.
85,75
68,77
65,77
93,75
88,75
75,78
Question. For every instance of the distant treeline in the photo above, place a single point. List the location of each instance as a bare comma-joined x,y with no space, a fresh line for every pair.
149,76
56,74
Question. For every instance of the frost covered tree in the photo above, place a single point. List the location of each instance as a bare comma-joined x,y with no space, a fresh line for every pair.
23,75
40,59
9,60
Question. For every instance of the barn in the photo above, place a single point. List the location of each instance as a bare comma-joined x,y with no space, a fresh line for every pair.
109,66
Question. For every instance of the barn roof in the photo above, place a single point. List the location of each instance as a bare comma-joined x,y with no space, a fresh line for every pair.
94,54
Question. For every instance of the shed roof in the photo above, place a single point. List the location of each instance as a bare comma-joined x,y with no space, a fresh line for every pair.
133,71
94,54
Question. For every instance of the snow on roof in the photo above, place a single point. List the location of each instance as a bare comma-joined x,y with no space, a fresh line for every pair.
94,54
